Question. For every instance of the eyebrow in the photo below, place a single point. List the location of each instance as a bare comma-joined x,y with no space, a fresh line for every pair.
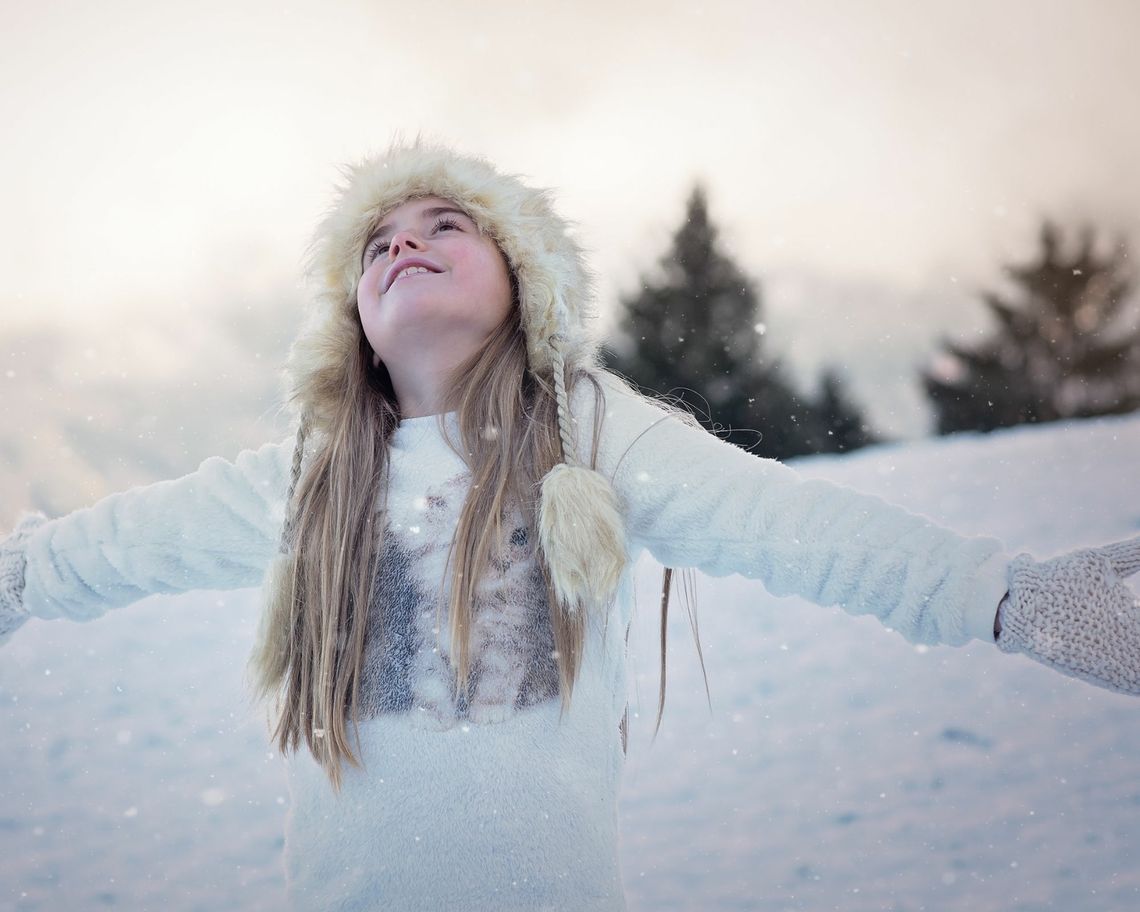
431,213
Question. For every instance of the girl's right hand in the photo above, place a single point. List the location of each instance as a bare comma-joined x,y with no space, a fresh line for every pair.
13,553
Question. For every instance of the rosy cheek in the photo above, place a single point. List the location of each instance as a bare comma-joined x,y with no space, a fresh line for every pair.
368,284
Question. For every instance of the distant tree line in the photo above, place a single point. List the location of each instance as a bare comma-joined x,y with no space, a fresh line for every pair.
1057,351
696,331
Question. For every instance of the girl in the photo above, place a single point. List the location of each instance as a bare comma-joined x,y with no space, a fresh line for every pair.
446,548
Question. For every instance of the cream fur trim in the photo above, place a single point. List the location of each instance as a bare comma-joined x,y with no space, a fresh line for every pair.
581,532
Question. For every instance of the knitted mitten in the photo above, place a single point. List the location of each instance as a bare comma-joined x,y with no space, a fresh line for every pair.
12,563
1074,613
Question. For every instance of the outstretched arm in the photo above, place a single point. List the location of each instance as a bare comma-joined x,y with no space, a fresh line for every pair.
216,528
693,500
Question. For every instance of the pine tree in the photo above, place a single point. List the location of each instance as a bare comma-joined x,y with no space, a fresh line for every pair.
697,333
842,422
1054,354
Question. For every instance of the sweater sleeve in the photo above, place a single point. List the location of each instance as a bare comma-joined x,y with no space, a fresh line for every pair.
693,500
216,528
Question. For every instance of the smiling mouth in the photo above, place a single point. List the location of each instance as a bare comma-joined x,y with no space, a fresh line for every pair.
412,270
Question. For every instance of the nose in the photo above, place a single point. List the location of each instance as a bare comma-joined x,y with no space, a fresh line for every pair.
402,241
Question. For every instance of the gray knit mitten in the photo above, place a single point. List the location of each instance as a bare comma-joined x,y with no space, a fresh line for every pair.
13,550
1074,613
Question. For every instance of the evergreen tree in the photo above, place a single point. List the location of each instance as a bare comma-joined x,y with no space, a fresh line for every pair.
1053,355
697,333
843,424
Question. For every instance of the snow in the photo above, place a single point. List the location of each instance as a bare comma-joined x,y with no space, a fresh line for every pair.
839,766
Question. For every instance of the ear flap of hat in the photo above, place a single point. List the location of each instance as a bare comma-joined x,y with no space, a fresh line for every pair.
580,525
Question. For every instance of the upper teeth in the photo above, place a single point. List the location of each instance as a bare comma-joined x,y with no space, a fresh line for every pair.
411,270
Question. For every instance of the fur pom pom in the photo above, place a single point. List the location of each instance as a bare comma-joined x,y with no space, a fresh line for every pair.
581,532
267,662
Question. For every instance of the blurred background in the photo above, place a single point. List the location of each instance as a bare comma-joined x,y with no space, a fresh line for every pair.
823,225
870,171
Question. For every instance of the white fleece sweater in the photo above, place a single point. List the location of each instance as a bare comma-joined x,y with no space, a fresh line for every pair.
498,803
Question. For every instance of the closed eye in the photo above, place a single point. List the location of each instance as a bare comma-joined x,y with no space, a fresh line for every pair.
445,223
379,247
376,249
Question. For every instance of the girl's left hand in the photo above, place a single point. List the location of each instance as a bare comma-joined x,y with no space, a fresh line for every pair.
1074,613
13,550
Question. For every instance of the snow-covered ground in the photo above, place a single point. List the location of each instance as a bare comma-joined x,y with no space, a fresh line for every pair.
840,767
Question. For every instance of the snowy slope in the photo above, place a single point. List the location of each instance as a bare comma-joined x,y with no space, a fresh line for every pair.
840,766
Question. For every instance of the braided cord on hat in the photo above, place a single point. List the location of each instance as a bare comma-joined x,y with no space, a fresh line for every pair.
294,478
562,398
580,526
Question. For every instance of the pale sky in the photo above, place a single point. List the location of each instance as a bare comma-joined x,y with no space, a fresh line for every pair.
165,158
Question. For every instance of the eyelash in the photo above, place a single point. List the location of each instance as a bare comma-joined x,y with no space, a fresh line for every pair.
379,248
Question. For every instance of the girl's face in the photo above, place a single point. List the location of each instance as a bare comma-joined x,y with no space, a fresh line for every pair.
431,279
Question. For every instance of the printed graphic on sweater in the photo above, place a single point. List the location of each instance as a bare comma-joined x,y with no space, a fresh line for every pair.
407,669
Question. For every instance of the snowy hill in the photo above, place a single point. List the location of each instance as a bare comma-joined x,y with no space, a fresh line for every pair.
840,766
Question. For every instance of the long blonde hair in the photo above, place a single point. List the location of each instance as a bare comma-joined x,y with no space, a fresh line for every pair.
311,650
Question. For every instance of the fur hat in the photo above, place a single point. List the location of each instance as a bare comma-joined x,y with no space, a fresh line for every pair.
555,288
580,526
